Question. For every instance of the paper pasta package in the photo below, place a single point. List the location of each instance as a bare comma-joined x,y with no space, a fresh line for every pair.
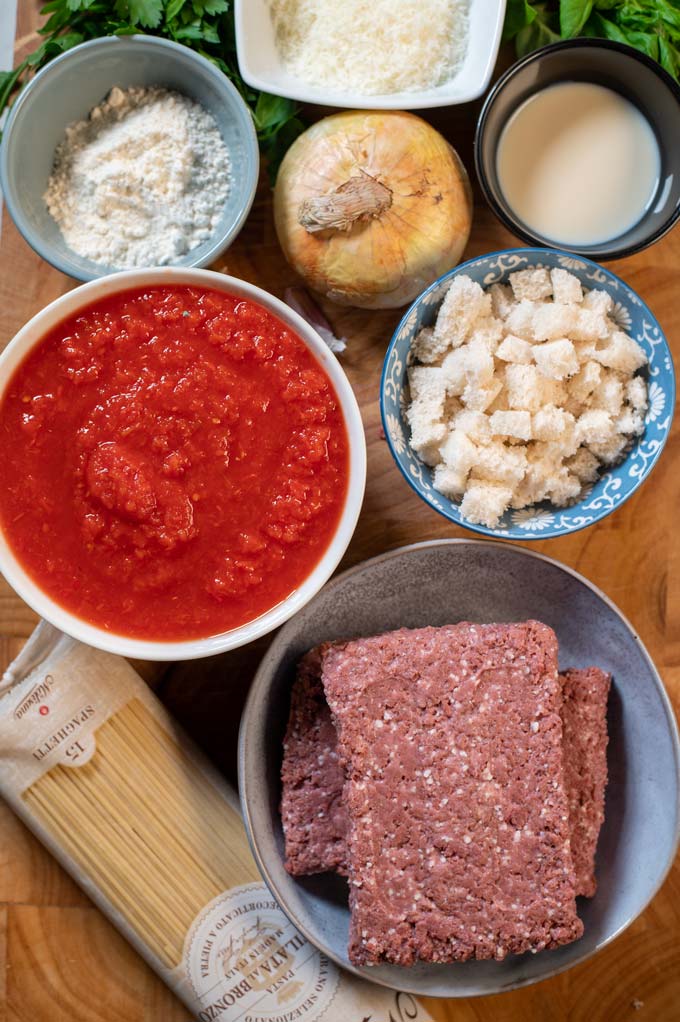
99,771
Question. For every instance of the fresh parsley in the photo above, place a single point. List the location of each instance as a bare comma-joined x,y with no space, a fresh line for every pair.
206,26
652,26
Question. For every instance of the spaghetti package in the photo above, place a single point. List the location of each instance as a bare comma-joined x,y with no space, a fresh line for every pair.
98,770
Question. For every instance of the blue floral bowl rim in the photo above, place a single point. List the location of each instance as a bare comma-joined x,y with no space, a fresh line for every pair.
550,533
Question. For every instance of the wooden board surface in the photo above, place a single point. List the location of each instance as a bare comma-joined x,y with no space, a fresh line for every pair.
60,960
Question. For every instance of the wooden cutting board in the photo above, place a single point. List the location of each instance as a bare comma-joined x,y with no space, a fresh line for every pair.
60,960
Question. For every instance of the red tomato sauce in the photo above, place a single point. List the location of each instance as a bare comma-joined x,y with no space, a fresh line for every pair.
174,463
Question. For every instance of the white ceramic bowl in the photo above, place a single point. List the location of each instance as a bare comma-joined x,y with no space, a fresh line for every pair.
262,68
36,329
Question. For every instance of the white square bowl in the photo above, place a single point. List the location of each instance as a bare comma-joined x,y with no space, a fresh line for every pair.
262,68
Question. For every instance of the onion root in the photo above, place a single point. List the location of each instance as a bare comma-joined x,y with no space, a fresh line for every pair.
359,199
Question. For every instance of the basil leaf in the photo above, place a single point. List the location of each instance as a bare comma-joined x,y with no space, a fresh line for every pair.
668,57
645,41
573,16
542,31
607,29
518,14
272,111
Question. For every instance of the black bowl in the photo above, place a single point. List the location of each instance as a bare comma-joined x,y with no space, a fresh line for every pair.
621,68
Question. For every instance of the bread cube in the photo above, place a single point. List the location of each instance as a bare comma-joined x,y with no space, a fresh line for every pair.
471,363
464,303
511,424
621,353
425,431
581,386
555,392
458,452
427,348
566,288
455,370
451,408
485,503
500,463
574,407
514,349
556,359
426,410
608,394
554,452
500,402
589,325
595,427
584,465
611,452
598,301
564,488
478,398
532,488
631,422
449,482
551,423
429,453
551,321
533,284
427,383
502,300
636,394
528,390
487,333
480,363
520,319
475,424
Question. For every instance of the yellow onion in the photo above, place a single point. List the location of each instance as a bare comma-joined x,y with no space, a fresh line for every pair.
371,207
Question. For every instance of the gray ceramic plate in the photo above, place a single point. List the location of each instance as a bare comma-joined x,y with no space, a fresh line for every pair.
440,582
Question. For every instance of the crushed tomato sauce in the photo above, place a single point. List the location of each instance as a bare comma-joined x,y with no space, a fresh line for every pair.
174,462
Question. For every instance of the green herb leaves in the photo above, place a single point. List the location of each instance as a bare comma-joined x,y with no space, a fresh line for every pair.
206,26
573,16
652,26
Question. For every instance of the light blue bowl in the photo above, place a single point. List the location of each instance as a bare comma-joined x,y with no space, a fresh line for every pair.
69,87
544,520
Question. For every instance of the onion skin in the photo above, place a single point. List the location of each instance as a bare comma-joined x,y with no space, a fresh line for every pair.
385,256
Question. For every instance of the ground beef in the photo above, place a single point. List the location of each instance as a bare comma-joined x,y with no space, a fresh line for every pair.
584,716
315,821
451,741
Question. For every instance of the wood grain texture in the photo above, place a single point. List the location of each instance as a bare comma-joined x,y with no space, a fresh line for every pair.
60,960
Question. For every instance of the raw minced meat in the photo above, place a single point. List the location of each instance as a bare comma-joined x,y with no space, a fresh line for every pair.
459,838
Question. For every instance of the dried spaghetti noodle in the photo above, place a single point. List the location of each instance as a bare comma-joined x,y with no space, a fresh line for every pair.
141,821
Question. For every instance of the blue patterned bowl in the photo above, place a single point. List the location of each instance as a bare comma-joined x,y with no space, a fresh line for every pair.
544,520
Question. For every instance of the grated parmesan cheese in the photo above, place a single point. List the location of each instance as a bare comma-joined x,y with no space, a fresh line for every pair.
371,46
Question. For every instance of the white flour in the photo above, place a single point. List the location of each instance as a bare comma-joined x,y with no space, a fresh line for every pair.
142,181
